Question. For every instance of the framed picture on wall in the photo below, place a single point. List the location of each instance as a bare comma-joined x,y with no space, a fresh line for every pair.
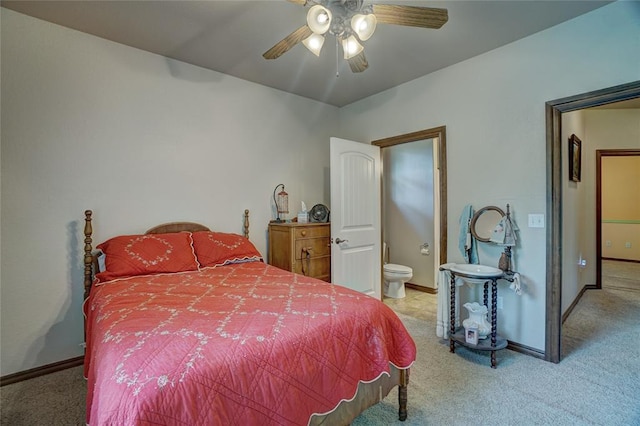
575,158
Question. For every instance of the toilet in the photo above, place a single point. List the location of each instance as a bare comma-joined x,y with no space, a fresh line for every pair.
394,277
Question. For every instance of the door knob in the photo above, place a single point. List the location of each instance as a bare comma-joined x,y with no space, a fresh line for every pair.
339,241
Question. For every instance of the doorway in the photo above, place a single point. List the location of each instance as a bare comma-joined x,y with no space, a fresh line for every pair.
438,249
612,252
554,261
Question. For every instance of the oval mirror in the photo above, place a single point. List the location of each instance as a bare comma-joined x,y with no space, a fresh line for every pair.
484,221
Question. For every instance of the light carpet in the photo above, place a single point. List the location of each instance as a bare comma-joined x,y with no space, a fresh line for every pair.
596,383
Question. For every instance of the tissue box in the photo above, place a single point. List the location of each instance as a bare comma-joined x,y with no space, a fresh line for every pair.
303,217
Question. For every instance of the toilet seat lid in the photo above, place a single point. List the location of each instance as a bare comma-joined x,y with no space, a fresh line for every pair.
392,267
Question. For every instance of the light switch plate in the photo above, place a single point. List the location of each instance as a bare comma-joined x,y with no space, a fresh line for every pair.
536,220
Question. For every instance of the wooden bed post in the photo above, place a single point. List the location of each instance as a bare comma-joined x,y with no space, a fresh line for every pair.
246,223
402,395
88,257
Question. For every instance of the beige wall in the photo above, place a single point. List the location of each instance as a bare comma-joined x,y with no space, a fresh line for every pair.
408,210
494,108
576,214
621,207
140,139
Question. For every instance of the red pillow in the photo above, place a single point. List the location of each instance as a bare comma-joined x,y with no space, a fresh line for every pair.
219,248
129,255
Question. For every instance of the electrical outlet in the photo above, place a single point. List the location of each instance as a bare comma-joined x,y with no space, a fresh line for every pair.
500,302
627,245
608,243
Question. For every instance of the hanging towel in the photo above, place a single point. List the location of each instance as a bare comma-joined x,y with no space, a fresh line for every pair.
443,319
515,285
498,233
466,243
510,229
505,232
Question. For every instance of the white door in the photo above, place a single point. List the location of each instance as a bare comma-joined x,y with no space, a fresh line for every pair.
355,216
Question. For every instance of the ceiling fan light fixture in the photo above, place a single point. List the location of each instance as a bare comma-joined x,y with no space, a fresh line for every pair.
352,22
314,43
319,19
364,25
351,47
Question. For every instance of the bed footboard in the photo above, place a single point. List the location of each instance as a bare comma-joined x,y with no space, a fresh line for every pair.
402,395
368,395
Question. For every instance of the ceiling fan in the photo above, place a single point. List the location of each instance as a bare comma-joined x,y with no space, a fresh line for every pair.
352,22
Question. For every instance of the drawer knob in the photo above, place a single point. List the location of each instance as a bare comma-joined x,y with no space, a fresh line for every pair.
303,233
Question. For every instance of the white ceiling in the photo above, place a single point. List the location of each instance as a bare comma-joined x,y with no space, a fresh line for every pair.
230,37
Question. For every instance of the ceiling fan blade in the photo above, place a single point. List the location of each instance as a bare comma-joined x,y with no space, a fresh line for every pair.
287,43
300,2
412,16
358,63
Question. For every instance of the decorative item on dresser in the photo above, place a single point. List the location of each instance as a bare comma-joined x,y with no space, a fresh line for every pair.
301,248
281,200
319,213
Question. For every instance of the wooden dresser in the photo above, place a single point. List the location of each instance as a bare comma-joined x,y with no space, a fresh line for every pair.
303,248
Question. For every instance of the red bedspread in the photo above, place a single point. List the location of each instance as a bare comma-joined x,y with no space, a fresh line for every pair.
242,344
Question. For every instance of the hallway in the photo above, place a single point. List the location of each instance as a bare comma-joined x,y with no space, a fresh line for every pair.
623,276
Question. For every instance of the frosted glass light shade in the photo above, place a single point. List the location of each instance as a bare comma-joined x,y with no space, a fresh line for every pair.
282,202
319,19
314,43
364,25
351,47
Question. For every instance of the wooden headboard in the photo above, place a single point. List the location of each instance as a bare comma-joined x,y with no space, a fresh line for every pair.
90,258
167,228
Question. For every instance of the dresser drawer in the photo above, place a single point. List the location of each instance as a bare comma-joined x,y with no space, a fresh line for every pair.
316,247
320,268
312,232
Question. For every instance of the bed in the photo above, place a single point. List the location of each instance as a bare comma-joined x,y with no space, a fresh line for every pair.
185,325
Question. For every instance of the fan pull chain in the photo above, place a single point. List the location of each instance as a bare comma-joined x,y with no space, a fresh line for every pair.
337,60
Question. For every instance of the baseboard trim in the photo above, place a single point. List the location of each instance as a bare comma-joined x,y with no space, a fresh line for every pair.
621,260
421,288
523,349
41,371
576,300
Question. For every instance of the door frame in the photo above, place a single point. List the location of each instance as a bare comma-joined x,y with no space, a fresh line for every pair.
439,133
553,118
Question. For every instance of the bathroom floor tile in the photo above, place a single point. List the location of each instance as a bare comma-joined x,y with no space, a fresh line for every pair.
417,304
